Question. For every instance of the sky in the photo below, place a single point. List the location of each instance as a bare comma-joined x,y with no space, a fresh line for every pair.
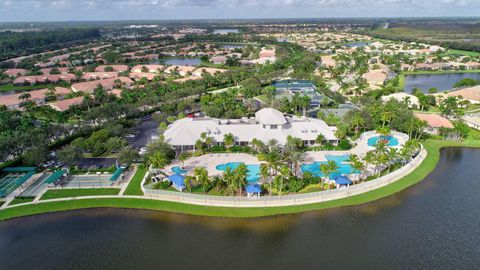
81,10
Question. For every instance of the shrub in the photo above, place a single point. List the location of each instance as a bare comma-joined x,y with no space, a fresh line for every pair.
218,148
344,144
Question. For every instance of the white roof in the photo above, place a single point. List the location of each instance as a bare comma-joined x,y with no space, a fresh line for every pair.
269,116
187,131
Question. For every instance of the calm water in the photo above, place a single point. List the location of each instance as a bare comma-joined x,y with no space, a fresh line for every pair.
357,44
225,31
232,46
183,61
433,225
442,82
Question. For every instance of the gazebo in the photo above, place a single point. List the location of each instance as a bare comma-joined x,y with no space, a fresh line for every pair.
177,181
253,190
342,181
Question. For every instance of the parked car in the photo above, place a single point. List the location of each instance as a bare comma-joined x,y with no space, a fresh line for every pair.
142,151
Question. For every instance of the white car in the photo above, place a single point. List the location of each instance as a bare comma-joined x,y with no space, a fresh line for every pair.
142,151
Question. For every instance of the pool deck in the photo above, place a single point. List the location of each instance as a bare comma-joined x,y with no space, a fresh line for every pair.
211,161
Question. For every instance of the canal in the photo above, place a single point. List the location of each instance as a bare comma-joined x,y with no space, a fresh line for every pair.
432,225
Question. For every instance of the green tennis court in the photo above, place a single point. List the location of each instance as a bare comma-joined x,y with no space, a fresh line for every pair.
12,181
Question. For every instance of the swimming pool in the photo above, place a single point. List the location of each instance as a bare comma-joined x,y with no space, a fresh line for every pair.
392,141
314,168
179,170
253,174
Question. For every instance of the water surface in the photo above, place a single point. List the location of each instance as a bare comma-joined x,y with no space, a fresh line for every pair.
433,225
225,31
442,82
183,61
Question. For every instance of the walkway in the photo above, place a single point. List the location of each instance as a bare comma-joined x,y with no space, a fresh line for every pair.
265,201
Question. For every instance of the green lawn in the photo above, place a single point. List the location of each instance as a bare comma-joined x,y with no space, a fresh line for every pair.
460,52
66,193
21,200
134,187
428,165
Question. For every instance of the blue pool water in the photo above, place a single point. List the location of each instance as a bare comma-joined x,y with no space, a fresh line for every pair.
392,141
253,174
179,170
314,168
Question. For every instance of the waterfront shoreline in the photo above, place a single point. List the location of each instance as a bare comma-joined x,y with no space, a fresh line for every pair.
131,202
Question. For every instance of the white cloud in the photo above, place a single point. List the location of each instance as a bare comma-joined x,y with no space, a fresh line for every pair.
170,9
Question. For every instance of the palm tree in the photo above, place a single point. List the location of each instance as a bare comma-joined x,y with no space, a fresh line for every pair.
229,178
51,93
357,122
265,174
392,155
369,158
199,146
209,142
257,145
201,176
228,140
320,139
305,103
328,168
25,97
182,157
189,182
285,173
158,160
240,177
386,116
295,158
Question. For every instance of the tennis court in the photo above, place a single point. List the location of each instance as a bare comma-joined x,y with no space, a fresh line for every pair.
12,181
88,181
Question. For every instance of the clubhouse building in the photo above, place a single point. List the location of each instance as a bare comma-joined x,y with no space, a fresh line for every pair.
267,124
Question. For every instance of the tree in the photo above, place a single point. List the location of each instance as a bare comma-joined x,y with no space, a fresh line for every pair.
115,144
228,140
201,176
328,168
36,155
320,139
25,97
229,177
158,160
357,122
127,155
70,155
240,178
265,174
449,107
189,182
182,157
51,93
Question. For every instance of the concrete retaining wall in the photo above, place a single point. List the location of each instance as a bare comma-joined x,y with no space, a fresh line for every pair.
286,200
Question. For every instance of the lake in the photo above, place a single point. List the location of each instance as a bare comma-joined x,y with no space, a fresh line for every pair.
225,31
233,46
432,225
357,44
442,82
180,61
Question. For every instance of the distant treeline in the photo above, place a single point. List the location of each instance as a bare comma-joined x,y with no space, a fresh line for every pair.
13,44
459,39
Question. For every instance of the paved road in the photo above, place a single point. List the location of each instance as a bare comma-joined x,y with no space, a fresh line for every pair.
143,132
